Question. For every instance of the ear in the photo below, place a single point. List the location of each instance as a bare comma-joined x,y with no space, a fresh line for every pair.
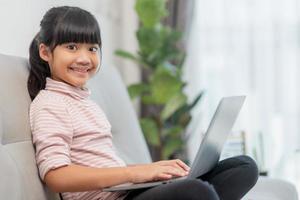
44,52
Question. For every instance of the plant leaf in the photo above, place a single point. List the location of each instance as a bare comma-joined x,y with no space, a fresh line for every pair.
171,146
150,131
172,105
125,54
150,12
185,118
136,90
164,86
148,99
130,56
173,132
150,42
196,100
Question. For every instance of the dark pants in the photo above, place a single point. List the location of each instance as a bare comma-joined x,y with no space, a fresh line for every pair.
231,179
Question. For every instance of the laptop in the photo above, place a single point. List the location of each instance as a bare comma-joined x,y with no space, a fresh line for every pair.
209,151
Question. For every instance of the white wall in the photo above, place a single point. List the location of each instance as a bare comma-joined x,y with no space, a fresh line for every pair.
19,20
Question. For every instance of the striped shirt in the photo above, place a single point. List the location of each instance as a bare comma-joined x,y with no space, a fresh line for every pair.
67,127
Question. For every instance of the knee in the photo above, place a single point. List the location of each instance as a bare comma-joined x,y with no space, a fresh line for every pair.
198,189
249,169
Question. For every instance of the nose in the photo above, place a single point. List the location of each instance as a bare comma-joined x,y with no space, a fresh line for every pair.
83,58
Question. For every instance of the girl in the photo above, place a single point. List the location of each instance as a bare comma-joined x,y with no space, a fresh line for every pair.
72,136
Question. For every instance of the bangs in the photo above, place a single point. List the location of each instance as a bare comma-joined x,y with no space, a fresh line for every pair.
77,27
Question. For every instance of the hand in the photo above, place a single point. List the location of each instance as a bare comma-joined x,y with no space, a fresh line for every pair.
161,170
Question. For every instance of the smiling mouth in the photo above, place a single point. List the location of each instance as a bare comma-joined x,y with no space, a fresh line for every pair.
80,70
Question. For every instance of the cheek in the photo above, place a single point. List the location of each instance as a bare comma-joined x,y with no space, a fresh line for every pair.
96,62
59,67
63,62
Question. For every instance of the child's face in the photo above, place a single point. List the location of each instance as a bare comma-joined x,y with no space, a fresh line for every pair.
73,63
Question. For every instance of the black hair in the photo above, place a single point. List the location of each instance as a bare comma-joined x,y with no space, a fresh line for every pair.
59,25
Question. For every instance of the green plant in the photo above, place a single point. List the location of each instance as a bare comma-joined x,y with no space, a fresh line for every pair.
161,91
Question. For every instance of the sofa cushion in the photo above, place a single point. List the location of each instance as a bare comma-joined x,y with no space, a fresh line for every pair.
18,171
109,91
14,101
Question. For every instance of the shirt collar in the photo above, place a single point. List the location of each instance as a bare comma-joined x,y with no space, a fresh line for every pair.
62,87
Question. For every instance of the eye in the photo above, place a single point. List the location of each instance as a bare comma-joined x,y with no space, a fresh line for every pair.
94,49
71,47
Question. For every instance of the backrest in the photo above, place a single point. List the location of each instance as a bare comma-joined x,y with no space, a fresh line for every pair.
18,172
109,91
19,175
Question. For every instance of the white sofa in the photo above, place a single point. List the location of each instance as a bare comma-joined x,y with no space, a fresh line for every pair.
272,189
19,178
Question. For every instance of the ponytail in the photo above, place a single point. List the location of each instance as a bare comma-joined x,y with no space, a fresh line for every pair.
39,69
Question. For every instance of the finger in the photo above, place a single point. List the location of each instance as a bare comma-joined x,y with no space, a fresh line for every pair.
164,176
182,165
179,164
161,162
175,171
174,163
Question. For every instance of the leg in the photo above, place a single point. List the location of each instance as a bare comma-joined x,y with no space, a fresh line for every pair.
188,189
233,177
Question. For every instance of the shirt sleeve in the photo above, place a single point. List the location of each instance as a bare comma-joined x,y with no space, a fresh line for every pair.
52,135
